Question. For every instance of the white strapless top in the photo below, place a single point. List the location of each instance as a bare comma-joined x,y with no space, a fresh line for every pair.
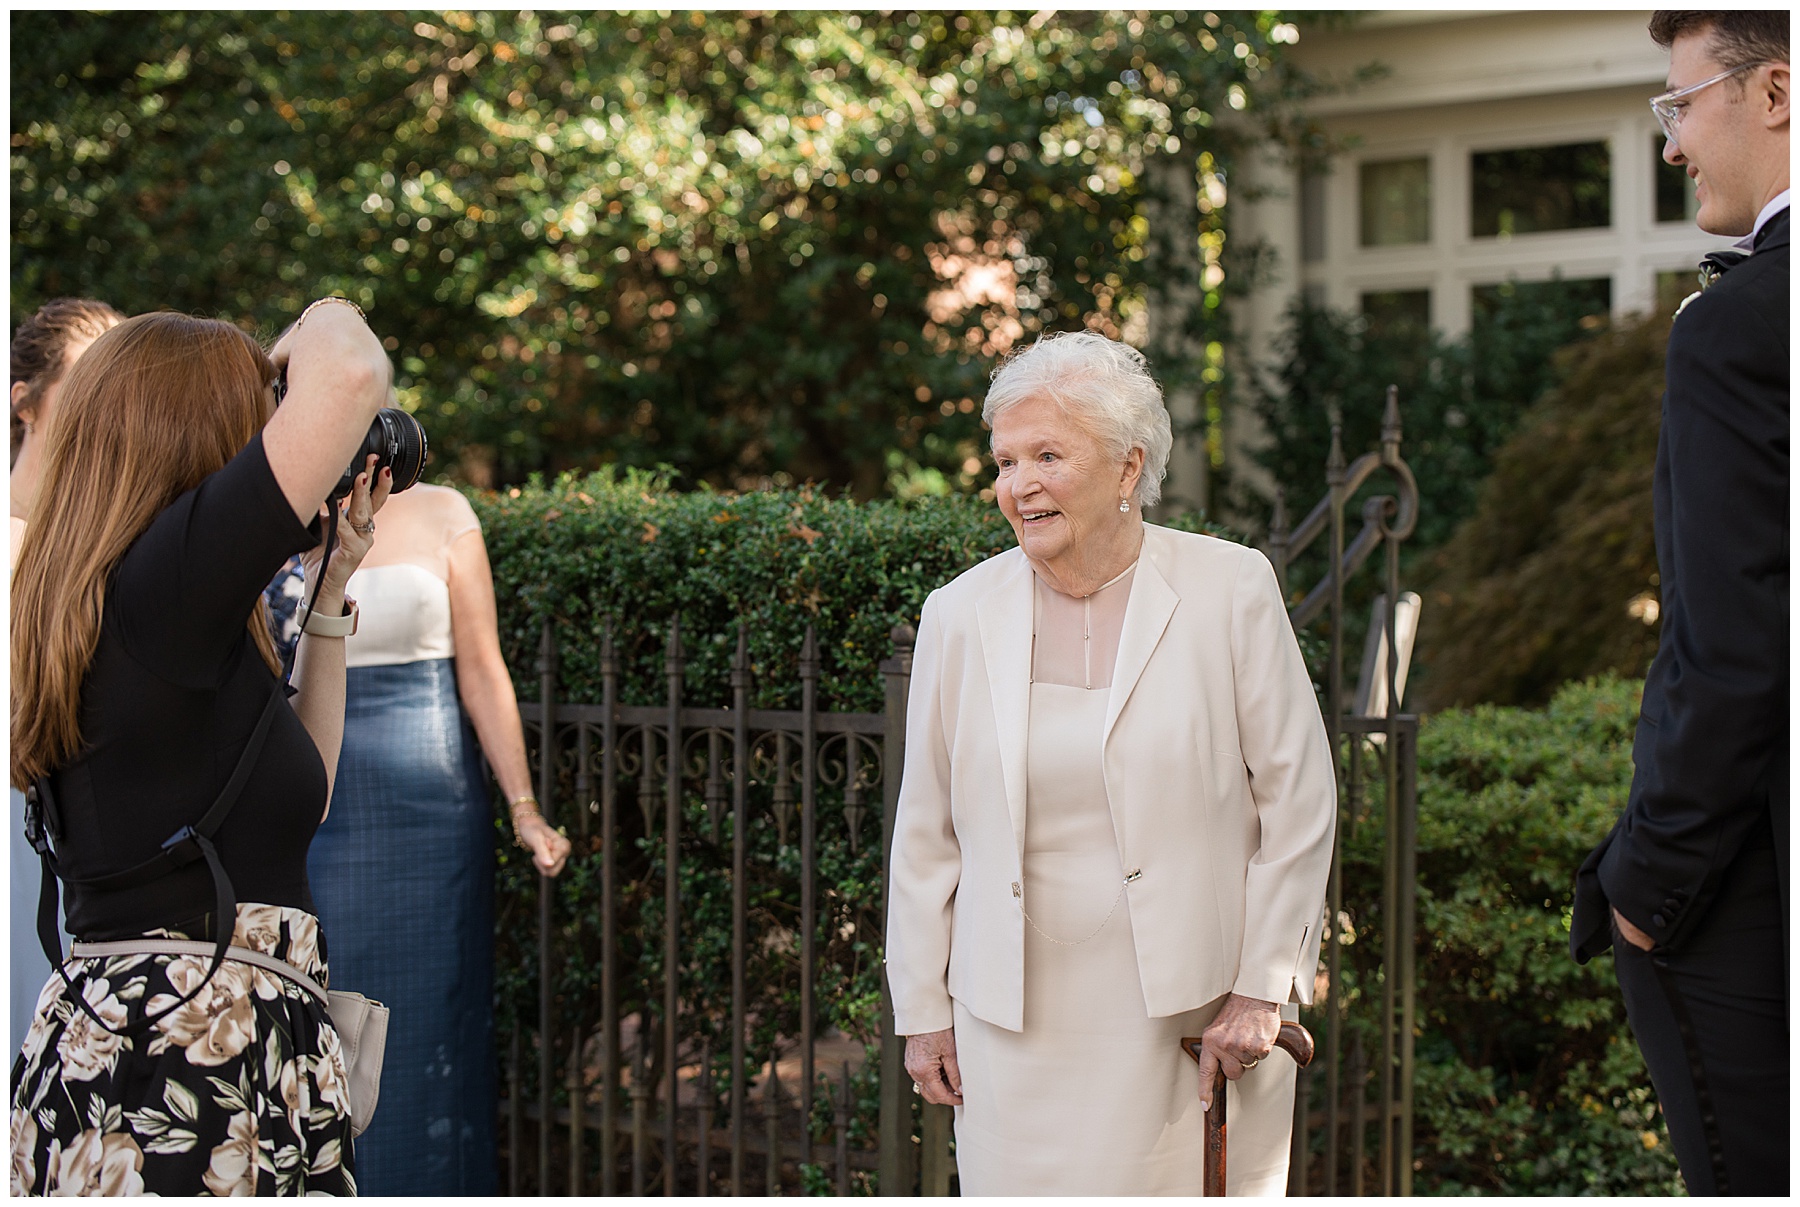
405,616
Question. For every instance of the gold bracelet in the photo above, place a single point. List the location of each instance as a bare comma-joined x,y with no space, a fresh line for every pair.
526,806
331,298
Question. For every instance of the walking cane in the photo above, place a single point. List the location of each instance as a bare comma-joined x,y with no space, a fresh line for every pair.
1293,1039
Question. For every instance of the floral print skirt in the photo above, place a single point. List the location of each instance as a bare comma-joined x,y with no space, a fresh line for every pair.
240,1091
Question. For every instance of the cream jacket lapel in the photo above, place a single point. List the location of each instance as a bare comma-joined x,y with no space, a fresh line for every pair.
1004,615
1147,615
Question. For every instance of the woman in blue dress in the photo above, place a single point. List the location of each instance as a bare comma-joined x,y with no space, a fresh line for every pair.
402,870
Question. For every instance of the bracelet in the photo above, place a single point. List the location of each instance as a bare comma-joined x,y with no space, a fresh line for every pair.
525,806
333,626
331,298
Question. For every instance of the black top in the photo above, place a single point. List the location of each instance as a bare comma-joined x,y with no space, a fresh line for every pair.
169,701
1711,750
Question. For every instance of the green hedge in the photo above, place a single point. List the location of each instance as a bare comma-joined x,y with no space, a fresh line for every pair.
1528,1079
622,551
1550,577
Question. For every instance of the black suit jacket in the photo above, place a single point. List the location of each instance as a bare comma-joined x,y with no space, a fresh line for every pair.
1711,747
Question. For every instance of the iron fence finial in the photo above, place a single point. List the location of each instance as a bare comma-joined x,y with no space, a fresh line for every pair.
809,655
903,636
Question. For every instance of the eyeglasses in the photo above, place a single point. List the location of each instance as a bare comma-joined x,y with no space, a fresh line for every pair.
1668,112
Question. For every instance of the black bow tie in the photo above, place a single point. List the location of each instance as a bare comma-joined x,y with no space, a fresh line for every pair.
1716,264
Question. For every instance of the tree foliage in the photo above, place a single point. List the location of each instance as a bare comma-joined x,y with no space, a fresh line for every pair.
1554,575
743,245
1460,398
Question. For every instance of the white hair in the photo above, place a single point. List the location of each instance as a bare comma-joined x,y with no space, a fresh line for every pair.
1105,384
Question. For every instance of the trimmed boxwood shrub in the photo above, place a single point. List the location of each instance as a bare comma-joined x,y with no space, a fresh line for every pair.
1529,1081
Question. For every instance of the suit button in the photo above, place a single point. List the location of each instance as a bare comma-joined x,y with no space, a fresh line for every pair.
1658,919
1671,905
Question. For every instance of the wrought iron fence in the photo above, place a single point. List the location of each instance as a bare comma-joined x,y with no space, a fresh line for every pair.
676,1046
1390,741
697,1089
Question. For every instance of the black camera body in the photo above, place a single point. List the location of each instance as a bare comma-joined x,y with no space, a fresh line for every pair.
395,438
398,443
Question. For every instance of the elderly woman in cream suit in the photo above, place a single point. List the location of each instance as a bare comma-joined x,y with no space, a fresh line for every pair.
1115,818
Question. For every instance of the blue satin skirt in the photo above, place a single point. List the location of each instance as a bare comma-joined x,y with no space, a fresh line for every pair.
402,877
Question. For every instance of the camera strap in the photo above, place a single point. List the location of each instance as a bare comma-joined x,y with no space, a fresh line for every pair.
44,823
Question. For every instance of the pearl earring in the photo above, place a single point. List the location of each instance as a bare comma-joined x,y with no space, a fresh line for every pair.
1124,505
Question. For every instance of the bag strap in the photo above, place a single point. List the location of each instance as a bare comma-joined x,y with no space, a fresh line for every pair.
181,848
191,947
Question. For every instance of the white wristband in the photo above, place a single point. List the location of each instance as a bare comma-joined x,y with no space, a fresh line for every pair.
333,626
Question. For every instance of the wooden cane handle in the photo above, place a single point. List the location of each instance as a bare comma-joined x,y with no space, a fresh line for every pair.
1293,1039
1296,1041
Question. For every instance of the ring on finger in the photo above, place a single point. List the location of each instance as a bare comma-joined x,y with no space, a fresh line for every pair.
917,1088
366,529
1250,1064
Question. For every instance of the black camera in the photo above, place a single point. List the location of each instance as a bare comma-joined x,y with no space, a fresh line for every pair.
395,438
398,443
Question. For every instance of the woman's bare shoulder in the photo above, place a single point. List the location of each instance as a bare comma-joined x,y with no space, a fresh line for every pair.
443,503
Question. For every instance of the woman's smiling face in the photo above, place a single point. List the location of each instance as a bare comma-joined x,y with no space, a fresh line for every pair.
1055,483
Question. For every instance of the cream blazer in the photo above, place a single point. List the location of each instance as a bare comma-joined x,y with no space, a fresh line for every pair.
1217,770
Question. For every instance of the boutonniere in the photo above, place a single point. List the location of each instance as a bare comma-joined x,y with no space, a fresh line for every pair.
1714,266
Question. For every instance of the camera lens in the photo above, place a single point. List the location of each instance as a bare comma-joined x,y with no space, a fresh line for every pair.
406,446
398,443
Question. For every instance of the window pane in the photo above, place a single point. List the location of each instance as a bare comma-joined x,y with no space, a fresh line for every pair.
1675,199
1581,297
1390,311
1396,202
1530,189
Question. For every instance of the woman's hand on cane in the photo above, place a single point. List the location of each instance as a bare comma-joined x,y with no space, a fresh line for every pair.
931,1060
1238,1038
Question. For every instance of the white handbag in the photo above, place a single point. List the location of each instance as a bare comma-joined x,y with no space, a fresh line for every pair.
361,1024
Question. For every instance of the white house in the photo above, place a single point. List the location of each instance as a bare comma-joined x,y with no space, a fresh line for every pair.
1496,147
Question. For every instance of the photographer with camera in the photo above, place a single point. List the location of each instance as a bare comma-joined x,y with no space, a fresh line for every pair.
173,786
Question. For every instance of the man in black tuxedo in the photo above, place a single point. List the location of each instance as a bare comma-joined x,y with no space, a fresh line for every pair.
1690,888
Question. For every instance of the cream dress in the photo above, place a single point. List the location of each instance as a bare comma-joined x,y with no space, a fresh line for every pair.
1093,1097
